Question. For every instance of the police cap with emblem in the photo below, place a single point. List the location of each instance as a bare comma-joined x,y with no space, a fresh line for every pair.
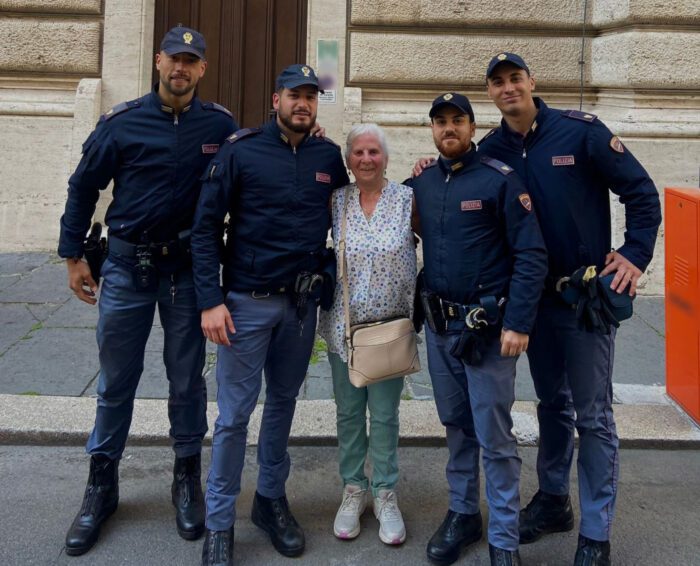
506,57
183,40
297,75
459,101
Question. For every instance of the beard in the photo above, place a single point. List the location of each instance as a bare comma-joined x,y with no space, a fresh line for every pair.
287,120
453,150
178,91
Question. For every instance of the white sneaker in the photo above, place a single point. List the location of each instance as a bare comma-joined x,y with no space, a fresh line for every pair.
386,510
347,519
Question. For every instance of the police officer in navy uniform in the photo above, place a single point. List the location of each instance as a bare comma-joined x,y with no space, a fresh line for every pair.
570,161
155,149
275,182
485,264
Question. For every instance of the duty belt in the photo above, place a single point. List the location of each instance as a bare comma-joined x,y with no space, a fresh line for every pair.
476,315
156,249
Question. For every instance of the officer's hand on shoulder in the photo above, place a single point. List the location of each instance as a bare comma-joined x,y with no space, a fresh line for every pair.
217,323
513,343
318,130
80,280
626,273
421,164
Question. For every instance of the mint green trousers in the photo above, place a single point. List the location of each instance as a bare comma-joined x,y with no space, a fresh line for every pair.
354,444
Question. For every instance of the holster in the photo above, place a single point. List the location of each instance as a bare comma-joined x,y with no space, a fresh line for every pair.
95,250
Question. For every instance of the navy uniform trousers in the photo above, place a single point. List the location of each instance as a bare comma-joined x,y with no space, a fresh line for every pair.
474,404
268,335
126,317
572,371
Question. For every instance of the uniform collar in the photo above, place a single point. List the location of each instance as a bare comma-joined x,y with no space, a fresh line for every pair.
273,129
158,103
454,166
540,118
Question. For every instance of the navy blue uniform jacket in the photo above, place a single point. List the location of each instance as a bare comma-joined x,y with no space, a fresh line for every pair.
277,198
155,159
480,236
569,161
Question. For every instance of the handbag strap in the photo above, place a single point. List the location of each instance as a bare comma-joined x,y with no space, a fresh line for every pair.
344,268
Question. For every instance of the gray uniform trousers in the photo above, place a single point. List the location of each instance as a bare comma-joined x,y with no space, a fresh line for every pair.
572,371
268,335
474,404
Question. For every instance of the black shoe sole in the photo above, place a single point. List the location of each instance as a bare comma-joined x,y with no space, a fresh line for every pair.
283,550
446,560
561,528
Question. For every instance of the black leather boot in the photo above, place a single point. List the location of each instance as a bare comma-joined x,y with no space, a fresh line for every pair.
274,517
501,557
187,497
545,514
218,548
592,552
456,532
99,502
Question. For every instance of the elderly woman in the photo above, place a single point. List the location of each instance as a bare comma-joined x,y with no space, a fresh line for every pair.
381,272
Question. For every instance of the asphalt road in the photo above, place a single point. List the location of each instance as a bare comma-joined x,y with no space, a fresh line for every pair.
658,512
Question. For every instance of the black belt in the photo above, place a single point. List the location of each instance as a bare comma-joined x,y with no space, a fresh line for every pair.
456,311
157,249
484,313
263,293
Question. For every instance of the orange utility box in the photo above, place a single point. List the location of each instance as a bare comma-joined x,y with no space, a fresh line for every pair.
682,236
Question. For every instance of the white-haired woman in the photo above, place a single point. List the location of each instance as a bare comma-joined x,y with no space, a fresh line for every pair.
381,260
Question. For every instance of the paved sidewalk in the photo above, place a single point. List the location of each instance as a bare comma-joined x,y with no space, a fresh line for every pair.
47,345
49,368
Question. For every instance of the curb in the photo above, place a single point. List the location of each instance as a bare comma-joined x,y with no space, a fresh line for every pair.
43,420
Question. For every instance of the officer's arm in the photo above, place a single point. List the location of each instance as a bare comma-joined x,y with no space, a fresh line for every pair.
627,178
529,257
97,167
208,228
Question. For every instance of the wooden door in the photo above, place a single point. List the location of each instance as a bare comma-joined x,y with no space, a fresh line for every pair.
248,43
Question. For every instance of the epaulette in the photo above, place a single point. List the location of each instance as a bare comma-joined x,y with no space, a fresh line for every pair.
578,115
244,133
499,166
217,107
330,141
120,108
488,135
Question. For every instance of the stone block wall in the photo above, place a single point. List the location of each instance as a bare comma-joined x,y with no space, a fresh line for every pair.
49,46
639,75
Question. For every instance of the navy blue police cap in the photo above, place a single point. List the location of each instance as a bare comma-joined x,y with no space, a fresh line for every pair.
506,57
183,40
297,75
459,101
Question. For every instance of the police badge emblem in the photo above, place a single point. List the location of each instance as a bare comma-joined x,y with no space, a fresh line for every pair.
616,145
524,199
187,37
448,96
306,71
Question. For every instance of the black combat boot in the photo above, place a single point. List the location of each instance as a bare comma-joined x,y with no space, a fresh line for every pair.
99,502
545,514
274,517
501,557
456,532
592,552
187,497
218,548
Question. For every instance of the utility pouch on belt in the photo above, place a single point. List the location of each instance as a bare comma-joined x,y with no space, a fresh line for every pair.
432,308
598,307
95,251
482,324
145,275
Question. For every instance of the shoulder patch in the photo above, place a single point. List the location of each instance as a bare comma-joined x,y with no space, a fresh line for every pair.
244,133
499,166
488,135
578,115
119,109
217,107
